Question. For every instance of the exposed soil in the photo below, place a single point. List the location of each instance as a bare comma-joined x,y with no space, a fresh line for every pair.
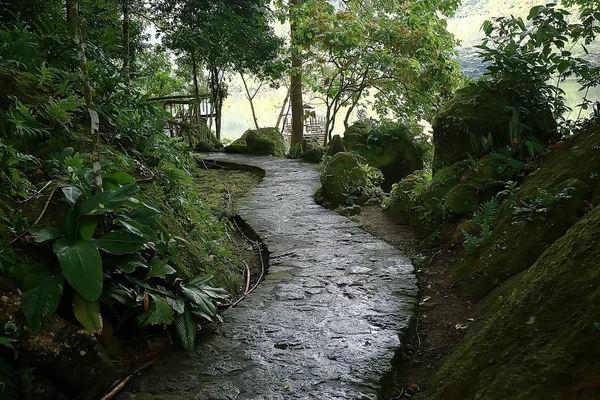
444,315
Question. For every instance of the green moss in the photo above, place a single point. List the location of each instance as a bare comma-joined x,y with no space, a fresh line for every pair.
388,147
312,151
398,204
265,141
343,177
238,146
482,109
549,202
540,341
204,139
428,208
336,146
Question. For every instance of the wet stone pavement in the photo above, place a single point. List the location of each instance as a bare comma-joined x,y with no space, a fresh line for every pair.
324,324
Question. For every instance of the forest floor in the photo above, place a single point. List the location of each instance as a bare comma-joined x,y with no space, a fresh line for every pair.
444,315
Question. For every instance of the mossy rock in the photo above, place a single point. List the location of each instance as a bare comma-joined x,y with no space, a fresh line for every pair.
342,176
398,204
265,141
483,109
568,177
428,209
312,151
465,198
336,146
485,169
388,147
541,339
239,146
205,139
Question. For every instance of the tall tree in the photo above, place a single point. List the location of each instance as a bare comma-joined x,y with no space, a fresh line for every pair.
126,47
296,101
399,51
75,22
225,36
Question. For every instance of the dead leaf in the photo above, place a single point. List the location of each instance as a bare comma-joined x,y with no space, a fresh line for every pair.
461,327
146,301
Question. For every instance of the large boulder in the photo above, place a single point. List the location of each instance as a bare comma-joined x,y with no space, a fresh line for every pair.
204,139
546,205
336,146
400,201
484,110
342,178
387,146
265,141
312,151
540,339
238,146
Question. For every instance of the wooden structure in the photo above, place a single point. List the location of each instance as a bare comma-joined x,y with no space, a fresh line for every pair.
185,111
314,124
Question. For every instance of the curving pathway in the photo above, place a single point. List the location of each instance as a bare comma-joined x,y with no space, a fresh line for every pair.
326,322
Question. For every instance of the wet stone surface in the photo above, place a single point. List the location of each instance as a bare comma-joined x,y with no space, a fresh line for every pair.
325,323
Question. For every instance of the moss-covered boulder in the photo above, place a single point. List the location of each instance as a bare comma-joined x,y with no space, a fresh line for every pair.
541,340
482,110
386,146
204,139
343,177
547,204
312,151
336,146
399,202
265,141
238,146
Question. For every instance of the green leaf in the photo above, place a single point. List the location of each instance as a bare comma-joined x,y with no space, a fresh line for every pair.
121,177
186,329
46,235
120,242
7,342
72,194
200,280
199,299
177,304
87,313
159,311
107,201
81,265
144,216
87,227
118,294
159,269
42,291
131,262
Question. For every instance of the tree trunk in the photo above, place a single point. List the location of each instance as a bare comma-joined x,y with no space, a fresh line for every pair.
296,84
283,107
251,100
126,48
75,21
216,98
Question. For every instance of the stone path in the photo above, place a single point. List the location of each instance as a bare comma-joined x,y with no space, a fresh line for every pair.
326,322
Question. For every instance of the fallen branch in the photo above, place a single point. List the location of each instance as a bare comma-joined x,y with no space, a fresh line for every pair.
35,223
45,207
127,379
247,279
37,193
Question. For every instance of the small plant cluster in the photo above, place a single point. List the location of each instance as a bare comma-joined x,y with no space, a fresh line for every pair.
521,211
111,249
